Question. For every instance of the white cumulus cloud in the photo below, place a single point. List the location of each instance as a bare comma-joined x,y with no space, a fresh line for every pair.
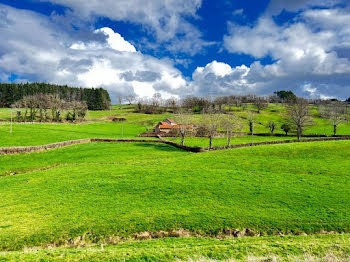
313,50
32,47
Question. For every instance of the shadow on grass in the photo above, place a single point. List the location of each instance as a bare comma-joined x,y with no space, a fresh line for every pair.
159,147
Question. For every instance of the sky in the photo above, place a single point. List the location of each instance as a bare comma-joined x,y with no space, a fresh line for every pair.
179,48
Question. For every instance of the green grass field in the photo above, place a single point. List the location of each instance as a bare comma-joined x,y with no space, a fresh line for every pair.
105,193
121,189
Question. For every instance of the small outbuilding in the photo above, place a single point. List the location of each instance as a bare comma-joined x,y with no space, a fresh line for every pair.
169,125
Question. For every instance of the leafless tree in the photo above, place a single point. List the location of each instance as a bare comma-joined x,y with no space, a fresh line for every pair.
298,115
260,103
78,109
196,104
210,122
156,100
335,112
184,125
56,105
120,101
172,103
29,103
43,102
220,101
130,99
229,123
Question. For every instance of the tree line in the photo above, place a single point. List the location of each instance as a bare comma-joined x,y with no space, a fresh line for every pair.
95,98
297,118
48,108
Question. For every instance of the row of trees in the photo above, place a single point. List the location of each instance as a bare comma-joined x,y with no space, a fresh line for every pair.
95,98
297,118
202,105
48,107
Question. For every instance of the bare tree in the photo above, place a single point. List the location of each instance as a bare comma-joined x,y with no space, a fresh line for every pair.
130,99
156,100
220,101
298,115
43,102
260,103
335,112
28,103
195,104
78,108
120,101
210,122
184,125
229,123
56,105
172,103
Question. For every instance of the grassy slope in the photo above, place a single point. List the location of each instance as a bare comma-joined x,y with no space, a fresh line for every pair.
119,189
39,134
291,248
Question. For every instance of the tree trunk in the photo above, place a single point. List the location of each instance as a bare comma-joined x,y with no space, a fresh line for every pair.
299,132
210,142
229,141
41,115
25,115
183,139
334,130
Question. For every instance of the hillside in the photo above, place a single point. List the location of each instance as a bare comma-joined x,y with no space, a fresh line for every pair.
118,194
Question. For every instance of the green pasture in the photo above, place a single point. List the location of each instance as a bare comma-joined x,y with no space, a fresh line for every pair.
117,189
221,141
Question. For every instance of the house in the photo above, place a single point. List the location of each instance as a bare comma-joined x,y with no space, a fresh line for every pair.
170,122
168,125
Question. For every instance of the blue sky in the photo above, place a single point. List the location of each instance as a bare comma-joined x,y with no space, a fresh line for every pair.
179,47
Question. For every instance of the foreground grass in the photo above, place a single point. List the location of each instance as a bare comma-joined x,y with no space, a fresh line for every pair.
290,248
120,189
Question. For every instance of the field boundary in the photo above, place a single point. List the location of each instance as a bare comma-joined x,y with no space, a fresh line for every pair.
30,149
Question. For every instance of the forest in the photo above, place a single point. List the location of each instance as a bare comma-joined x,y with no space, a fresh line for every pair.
95,98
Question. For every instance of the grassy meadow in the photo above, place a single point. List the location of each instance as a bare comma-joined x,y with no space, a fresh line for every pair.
89,201
98,124
122,189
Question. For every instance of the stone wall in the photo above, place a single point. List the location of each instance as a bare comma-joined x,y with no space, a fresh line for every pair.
29,149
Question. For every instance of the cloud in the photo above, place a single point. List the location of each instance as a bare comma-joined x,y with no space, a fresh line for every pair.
314,50
34,48
310,56
167,20
218,78
276,6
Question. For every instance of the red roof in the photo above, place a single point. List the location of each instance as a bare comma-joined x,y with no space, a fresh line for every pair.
167,126
171,120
